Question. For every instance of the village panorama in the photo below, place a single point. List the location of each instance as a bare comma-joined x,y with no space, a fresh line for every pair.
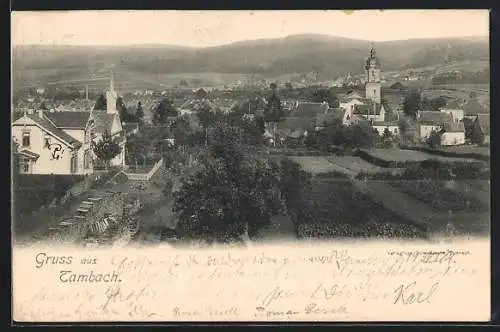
138,152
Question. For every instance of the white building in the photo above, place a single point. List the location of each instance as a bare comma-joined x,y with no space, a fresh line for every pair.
59,142
457,114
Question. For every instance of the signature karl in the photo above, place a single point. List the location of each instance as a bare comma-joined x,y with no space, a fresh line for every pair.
412,294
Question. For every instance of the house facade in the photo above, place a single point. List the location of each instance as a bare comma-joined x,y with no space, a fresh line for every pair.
44,148
453,134
457,114
381,126
60,142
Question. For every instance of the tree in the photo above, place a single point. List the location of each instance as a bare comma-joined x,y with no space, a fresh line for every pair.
122,109
233,192
437,103
101,103
181,130
387,137
434,139
207,118
200,94
139,113
476,135
43,106
325,95
106,148
273,111
412,104
164,111
132,149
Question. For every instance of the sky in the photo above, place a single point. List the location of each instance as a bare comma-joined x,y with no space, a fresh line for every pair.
211,28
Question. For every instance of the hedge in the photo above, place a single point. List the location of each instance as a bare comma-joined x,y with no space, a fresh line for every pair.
444,153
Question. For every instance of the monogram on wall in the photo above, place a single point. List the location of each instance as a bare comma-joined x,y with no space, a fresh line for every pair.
57,151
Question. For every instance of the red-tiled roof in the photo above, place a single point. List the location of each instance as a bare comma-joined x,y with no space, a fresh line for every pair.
69,119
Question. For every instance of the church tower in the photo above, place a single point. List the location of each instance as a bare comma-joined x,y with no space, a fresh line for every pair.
111,96
373,86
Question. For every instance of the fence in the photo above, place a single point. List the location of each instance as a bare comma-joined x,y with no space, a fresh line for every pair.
145,176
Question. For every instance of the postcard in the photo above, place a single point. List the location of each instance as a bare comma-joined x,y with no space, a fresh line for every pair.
250,166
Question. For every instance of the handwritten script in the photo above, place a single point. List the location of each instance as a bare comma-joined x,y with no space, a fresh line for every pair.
287,283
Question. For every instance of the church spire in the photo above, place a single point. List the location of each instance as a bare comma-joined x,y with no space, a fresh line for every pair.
111,81
372,51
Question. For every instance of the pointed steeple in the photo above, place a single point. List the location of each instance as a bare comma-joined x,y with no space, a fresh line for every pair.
111,81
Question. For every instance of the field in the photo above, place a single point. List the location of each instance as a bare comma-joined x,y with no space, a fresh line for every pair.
460,91
125,80
441,195
398,155
338,209
466,149
355,164
317,165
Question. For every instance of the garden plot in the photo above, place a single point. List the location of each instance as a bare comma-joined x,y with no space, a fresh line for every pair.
441,195
354,164
317,165
338,209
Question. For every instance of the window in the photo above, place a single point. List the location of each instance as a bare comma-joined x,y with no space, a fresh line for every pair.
73,164
47,141
26,139
24,165
395,130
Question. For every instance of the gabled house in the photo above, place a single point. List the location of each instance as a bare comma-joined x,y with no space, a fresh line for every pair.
60,142
429,121
52,143
453,134
370,111
457,114
103,121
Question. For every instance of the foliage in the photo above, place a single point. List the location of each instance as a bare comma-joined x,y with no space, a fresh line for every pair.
182,131
200,94
125,116
412,104
273,111
476,135
434,139
139,113
106,148
328,95
235,189
100,103
164,111
387,138
359,135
